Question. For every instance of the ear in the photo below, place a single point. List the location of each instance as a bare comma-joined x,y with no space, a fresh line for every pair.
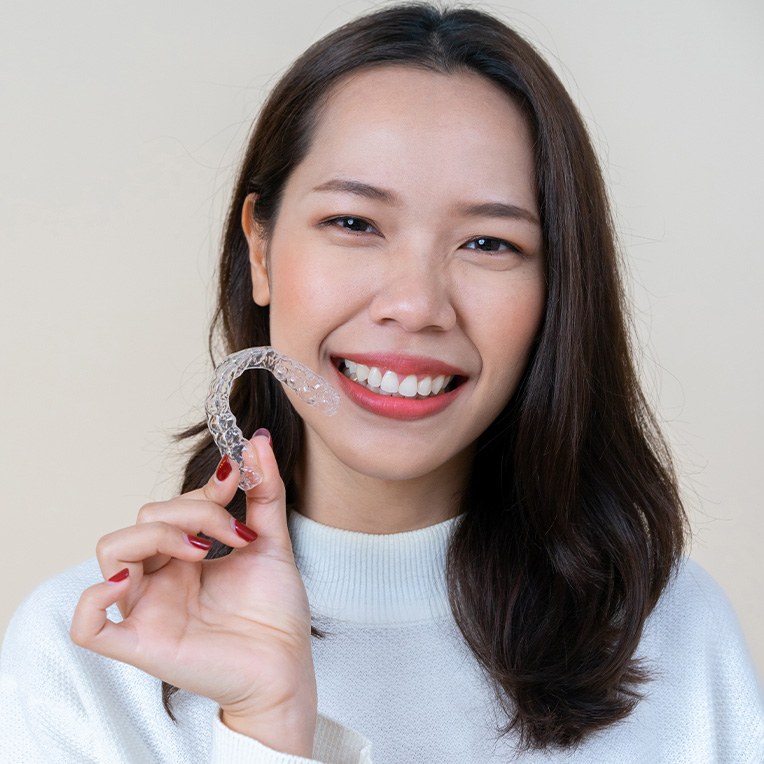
258,264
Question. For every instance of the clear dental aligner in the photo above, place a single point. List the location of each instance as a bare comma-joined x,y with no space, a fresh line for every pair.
308,385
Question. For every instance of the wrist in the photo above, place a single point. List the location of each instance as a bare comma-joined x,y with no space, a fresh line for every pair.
287,730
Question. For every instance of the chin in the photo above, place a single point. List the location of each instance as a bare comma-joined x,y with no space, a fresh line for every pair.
400,466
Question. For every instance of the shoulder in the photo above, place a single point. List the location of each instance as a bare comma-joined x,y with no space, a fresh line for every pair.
694,620
42,671
694,604
53,601
39,628
704,692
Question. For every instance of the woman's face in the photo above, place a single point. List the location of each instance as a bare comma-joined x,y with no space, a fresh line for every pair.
406,250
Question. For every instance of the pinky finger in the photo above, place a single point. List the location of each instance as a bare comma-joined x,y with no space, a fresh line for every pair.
91,627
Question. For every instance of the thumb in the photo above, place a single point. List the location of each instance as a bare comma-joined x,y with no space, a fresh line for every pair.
266,502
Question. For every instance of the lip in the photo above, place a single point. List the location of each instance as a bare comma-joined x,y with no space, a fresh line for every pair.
422,366
391,406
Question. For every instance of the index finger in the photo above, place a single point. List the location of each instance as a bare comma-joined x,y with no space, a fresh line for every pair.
221,486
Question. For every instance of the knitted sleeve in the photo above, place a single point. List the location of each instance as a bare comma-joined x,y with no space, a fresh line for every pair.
333,744
41,714
62,704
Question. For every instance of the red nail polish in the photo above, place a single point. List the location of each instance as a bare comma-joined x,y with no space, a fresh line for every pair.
263,433
198,542
224,469
121,576
242,530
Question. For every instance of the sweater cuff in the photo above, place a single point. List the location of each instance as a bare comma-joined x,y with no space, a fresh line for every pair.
333,744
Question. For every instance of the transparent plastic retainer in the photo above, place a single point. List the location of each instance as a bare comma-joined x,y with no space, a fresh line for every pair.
308,385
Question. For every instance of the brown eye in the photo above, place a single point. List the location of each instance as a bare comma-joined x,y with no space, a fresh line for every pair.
491,244
353,224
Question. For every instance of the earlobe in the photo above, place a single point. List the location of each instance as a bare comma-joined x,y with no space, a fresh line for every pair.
258,264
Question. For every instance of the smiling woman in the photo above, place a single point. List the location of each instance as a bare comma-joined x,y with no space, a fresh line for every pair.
407,291
481,553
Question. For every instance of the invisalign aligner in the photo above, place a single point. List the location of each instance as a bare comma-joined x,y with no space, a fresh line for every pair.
308,385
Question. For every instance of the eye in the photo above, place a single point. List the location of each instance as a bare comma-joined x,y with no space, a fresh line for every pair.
352,223
491,244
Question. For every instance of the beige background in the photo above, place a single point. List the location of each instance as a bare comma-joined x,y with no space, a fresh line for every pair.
120,131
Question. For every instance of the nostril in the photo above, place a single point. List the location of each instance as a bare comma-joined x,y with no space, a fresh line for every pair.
414,304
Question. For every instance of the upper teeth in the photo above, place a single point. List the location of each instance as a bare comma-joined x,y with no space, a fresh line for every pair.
390,383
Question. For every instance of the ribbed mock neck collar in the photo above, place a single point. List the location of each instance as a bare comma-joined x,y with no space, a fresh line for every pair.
372,578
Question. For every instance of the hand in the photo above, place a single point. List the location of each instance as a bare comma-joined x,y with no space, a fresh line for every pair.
235,629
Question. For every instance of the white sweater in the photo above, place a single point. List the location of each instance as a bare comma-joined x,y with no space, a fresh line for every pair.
393,670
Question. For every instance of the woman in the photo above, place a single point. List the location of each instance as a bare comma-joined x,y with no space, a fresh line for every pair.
485,541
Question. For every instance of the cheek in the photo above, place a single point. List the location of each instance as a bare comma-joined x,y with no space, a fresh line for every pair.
308,296
510,326
506,324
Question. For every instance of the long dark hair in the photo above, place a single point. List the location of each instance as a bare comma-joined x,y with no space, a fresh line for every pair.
572,520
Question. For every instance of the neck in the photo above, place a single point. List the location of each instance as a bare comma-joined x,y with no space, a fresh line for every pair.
337,496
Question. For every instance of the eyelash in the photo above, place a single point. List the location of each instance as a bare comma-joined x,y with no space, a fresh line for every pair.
510,247
353,219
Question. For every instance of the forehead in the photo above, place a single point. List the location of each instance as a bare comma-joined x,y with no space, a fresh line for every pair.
405,125
417,86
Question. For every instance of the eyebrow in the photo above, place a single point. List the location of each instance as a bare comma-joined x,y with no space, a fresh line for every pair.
479,209
499,210
359,189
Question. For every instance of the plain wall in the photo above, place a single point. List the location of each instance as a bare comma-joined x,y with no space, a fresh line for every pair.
121,130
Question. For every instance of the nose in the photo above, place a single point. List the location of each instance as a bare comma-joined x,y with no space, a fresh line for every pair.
415,293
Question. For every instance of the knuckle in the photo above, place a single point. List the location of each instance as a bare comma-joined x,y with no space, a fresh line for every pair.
74,635
77,635
168,534
163,536
104,546
210,492
147,513
207,492
277,490
77,631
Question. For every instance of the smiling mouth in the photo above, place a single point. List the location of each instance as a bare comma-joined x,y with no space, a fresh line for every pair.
390,383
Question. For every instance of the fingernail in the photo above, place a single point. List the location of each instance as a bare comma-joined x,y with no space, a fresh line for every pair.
198,542
263,433
121,576
242,530
224,469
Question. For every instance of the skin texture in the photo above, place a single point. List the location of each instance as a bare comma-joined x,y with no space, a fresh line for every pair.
407,283
408,279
